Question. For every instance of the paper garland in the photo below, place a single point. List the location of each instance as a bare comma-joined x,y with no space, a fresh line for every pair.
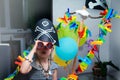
105,27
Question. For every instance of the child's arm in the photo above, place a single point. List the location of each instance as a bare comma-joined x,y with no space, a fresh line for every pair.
26,65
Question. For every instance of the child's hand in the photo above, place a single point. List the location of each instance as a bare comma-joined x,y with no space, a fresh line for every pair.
33,51
35,46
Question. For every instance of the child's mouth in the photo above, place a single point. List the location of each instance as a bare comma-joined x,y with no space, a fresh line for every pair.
43,52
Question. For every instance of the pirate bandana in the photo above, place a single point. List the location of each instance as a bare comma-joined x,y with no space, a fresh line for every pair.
45,31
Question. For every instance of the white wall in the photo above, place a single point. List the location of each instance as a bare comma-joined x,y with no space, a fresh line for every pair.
60,7
115,40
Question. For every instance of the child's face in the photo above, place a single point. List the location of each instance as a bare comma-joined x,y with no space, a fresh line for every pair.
44,49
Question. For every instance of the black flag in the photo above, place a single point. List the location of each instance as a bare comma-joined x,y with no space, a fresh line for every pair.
96,4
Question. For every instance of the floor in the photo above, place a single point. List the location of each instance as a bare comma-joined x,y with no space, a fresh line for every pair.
91,77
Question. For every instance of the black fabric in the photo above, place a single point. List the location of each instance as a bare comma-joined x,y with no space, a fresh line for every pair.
20,76
93,4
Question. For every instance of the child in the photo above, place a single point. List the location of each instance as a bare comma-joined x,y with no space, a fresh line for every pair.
38,64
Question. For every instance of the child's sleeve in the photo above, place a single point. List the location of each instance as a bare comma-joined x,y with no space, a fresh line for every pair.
54,66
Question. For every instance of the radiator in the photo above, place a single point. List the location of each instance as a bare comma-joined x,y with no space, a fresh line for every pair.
5,61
